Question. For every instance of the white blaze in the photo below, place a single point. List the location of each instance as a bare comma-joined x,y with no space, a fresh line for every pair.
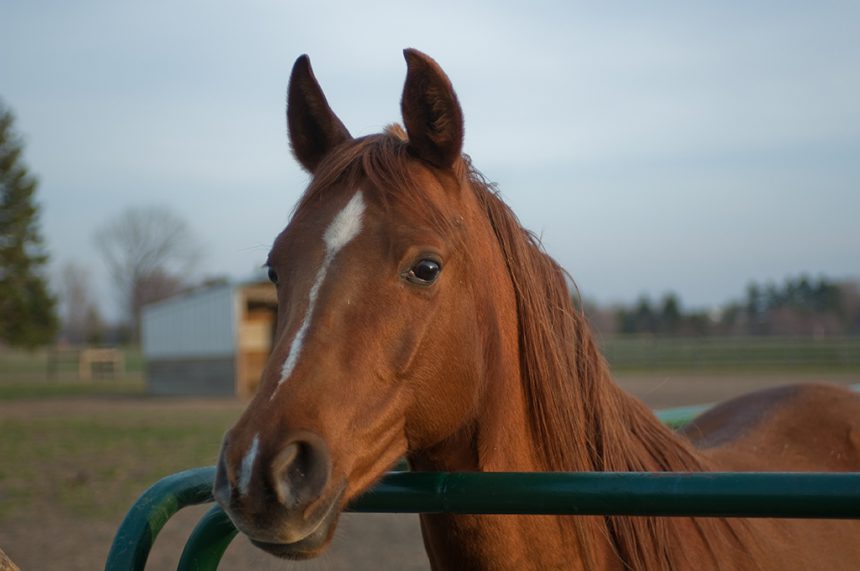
247,465
345,226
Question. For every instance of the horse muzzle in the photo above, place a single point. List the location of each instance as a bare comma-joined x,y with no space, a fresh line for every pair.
280,497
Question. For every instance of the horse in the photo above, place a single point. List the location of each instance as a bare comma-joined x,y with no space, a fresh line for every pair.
418,318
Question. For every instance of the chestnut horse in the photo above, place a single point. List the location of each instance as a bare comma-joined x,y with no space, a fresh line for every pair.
417,318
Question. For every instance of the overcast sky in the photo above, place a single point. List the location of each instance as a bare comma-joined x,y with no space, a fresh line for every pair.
654,146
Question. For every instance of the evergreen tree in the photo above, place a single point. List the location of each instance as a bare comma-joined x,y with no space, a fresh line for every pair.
670,314
27,309
646,317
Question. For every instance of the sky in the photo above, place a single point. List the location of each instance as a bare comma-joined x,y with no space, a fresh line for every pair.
661,146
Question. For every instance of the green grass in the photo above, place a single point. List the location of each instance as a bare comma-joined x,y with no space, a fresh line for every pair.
84,450
747,354
90,457
93,464
45,373
20,390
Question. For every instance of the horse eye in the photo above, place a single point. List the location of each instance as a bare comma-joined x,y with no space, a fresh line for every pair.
273,275
424,272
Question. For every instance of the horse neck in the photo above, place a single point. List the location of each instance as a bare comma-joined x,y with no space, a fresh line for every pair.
614,432
604,429
499,438
548,404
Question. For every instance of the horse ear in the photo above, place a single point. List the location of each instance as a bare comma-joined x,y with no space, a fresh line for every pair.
314,128
431,112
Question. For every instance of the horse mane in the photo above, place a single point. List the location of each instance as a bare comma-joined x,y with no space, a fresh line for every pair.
581,420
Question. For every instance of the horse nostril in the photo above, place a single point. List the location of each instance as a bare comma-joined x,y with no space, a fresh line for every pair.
301,470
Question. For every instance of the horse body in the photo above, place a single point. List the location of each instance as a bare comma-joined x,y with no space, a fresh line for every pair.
764,431
813,427
416,317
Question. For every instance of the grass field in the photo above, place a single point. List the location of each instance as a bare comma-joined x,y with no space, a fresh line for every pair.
91,463
720,354
23,390
72,465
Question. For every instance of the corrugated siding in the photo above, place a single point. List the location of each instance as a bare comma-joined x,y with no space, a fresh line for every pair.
201,324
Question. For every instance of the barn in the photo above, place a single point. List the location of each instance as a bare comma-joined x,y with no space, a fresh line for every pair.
209,342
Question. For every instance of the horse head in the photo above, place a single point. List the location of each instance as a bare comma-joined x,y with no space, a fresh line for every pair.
388,315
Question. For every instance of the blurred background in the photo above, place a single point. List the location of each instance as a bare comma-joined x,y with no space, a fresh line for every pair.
695,168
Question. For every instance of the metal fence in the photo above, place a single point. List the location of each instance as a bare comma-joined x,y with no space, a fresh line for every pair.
768,494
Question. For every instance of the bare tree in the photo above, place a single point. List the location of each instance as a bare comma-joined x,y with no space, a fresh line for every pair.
81,319
148,251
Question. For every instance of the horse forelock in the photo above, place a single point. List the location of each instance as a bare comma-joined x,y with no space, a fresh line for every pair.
379,164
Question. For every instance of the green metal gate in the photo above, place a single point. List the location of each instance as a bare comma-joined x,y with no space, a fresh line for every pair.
747,494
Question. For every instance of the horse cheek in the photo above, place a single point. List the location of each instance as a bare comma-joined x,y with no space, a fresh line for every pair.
446,390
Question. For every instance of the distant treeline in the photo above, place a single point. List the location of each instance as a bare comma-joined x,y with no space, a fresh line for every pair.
801,306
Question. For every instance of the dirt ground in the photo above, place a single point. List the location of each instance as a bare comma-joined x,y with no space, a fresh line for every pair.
47,541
